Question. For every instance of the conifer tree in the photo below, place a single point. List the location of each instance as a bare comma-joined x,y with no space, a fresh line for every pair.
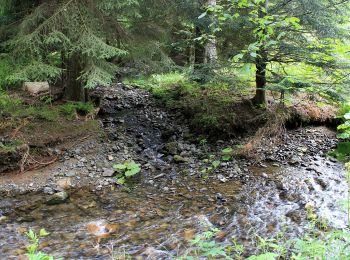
75,40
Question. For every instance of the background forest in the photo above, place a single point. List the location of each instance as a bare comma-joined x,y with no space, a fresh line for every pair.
282,46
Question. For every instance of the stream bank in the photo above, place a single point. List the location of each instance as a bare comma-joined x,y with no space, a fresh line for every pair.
176,195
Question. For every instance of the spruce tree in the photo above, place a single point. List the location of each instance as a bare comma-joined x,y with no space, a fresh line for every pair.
73,40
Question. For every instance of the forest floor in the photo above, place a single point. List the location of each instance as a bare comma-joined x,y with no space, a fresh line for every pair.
185,180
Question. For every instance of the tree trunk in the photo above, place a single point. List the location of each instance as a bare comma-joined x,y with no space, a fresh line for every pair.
211,54
261,64
74,89
260,79
192,52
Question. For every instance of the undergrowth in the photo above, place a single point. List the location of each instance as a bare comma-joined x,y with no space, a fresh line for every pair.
14,108
312,245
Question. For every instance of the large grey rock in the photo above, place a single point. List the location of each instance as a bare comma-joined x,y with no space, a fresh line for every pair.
34,88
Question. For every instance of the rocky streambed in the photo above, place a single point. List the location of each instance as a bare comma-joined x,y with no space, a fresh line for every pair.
179,192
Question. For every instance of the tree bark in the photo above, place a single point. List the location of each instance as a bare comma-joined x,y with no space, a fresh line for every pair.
74,89
211,54
261,64
260,79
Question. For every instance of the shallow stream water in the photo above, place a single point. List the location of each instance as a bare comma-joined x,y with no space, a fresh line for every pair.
170,202
156,224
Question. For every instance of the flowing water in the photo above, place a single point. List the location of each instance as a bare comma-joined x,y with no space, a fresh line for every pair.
155,221
145,220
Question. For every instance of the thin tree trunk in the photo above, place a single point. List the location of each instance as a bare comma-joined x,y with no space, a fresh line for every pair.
192,54
211,54
261,65
260,79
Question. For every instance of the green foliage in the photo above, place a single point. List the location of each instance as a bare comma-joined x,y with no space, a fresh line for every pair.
43,111
342,152
204,245
34,71
10,146
281,35
71,109
32,249
6,68
126,170
46,41
7,103
227,154
345,127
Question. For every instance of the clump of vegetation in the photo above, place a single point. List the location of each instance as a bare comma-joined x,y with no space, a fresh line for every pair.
327,245
33,252
204,245
71,109
342,152
5,69
126,170
44,110
10,146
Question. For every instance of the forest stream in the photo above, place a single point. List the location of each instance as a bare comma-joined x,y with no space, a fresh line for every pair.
173,198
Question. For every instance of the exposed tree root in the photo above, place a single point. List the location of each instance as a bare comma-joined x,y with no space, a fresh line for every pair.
28,163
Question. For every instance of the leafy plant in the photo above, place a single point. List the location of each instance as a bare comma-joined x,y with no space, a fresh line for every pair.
216,164
204,245
126,170
227,154
32,248
345,127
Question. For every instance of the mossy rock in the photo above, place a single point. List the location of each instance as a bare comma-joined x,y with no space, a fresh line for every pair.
180,159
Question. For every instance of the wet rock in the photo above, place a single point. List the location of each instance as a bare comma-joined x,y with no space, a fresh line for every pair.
294,160
280,185
295,216
64,183
222,178
264,175
322,183
58,198
70,174
48,190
